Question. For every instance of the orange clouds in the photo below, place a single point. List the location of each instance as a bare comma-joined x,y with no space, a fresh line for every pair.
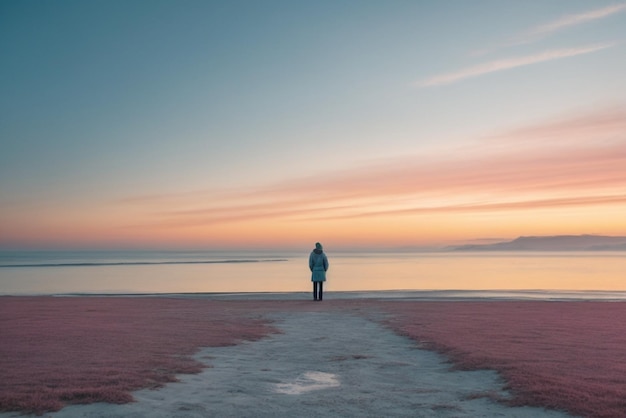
575,162
563,176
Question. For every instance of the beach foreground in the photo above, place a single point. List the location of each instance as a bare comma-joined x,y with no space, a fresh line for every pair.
337,357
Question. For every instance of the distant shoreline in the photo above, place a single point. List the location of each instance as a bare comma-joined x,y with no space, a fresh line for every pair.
592,243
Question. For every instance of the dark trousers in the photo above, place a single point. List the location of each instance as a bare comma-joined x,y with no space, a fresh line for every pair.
317,290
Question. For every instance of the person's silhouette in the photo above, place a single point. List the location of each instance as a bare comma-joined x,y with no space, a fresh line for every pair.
318,263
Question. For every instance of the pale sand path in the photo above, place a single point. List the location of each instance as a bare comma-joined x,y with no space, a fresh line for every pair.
323,364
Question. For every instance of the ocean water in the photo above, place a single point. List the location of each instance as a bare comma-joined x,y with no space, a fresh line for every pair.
422,275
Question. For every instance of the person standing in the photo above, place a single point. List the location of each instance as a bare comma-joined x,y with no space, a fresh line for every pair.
318,263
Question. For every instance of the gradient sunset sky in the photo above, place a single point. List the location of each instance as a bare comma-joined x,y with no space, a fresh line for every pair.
276,124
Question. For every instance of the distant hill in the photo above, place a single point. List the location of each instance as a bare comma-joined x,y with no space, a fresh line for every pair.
552,243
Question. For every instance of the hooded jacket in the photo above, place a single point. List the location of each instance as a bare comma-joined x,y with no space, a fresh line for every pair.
318,263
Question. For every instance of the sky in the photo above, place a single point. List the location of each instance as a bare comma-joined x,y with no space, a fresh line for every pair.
277,124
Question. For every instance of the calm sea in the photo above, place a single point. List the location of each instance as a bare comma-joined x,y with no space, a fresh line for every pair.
517,275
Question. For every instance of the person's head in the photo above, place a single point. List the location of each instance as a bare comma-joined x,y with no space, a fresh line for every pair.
318,246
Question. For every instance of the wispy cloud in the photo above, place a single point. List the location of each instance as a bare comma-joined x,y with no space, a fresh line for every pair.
564,22
539,32
498,206
509,63
602,126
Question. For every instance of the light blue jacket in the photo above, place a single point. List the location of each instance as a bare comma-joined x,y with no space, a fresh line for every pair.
318,263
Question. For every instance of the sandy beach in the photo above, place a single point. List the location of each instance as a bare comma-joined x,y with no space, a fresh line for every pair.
302,358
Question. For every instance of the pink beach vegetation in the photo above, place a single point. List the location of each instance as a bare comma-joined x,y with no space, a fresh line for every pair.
58,351
568,356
